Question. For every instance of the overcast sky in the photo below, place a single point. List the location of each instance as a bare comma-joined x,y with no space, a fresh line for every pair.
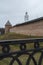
14,10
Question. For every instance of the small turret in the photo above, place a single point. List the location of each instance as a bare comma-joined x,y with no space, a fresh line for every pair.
7,27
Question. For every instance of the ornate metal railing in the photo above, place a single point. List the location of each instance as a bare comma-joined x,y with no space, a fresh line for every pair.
34,51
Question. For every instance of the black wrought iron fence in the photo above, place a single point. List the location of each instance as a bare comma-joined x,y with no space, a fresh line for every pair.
31,51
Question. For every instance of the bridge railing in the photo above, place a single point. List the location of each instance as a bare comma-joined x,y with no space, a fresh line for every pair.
34,51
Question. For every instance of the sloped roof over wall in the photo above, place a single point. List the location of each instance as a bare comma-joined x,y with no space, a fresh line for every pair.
30,22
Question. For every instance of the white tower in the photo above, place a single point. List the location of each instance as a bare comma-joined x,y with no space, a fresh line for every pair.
26,17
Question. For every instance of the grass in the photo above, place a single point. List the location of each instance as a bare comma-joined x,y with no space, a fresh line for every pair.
10,36
22,58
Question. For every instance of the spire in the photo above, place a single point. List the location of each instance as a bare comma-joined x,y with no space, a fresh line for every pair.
8,23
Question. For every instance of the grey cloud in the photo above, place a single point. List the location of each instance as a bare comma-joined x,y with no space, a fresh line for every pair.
14,10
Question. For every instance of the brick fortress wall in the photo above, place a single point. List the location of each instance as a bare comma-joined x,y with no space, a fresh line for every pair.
35,29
